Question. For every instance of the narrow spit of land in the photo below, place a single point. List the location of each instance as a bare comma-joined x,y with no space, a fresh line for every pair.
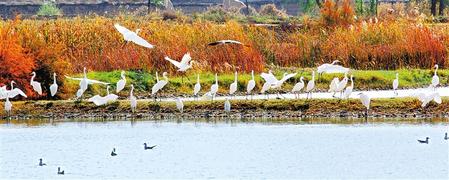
383,104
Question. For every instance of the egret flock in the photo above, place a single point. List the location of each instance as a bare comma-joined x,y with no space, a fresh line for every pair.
337,86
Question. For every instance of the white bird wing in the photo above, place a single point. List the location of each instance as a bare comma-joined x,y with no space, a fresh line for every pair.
186,58
174,62
321,68
111,97
140,41
288,76
251,85
91,81
124,31
72,78
268,77
197,88
437,98
335,69
13,93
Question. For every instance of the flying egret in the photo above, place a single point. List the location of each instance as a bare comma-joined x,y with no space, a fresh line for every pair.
332,68
396,84
54,86
310,85
348,90
132,99
333,86
227,105
36,85
426,97
8,105
341,85
435,78
366,100
159,85
84,82
121,83
222,42
197,87
183,65
298,87
12,93
132,36
101,100
179,104
233,86
251,85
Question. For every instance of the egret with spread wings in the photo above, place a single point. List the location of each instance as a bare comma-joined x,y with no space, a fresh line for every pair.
129,35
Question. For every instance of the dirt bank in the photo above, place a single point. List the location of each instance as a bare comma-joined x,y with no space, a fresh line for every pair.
390,108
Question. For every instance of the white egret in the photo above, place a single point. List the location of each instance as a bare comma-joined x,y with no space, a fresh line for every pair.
159,85
332,68
396,84
426,97
278,84
348,90
197,87
132,36
84,82
222,42
183,65
298,87
310,85
227,105
121,83
214,88
132,99
79,93
8,105
54,86
435,78
270,80
36,85
233,86
265,87
251,85
341,85
366,100
13,92
101,100
179,104
333,86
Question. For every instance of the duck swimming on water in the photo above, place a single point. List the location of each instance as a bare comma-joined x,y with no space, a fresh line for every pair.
445,136
424,141
113,152
60,172
145,147
41,163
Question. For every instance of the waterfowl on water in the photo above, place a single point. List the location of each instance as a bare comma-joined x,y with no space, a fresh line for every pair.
60,172
41,163
424,141
145,147
445,136
113,152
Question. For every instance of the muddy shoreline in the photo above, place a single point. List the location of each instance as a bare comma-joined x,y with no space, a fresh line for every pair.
241,109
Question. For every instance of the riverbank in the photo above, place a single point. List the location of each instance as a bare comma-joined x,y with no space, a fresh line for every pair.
275,108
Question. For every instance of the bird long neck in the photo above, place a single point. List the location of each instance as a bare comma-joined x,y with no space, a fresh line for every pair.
436,69
301,80
235,77
107,90
32,77
131,92
252,75
12,85
352,82
157,77
54,78
84,72
198,78
216,79
123,76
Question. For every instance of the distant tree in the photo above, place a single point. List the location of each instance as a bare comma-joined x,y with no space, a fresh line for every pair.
49,8
156,3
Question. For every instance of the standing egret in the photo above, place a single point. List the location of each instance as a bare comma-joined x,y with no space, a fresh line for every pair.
310,85
396,84
54,86
197,87
341,85
132,99
101,100
84,82
179,104
278,84
333,86
8,105
233,86
270,80
366,100
227,105
348,90
214,88
12,93
36,85
435,78
298,87
121,83
159,85
184,64
132,36
251,85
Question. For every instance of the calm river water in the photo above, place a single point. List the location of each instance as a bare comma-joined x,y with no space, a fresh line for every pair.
223,149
